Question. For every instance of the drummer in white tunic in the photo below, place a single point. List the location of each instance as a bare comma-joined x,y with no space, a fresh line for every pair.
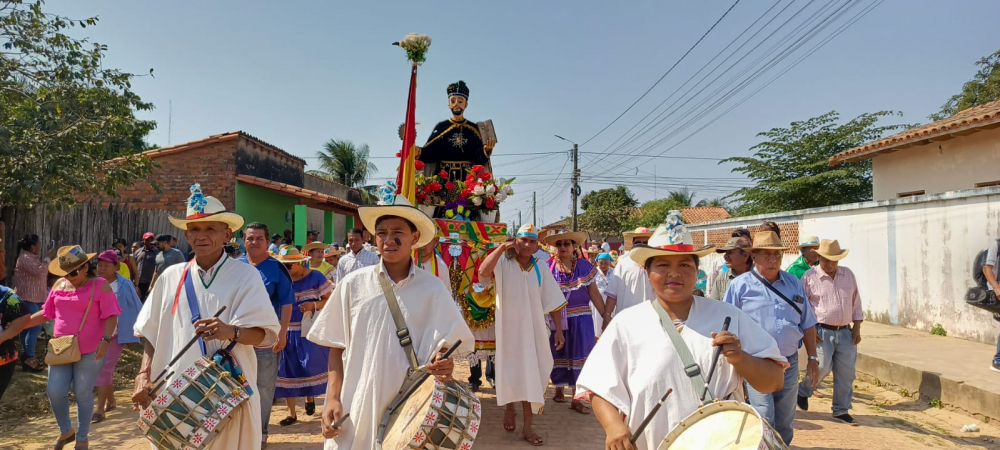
367,363
249,319
635,363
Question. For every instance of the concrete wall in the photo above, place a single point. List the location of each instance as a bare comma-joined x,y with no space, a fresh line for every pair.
315,222
954,164
262,205
912,257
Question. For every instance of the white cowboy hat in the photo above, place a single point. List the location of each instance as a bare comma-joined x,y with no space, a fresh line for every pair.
70,258
671,238
400,207
562,235
206,209
809,241
830,249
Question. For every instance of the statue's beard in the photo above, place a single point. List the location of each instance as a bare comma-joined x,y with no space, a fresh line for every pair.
457,111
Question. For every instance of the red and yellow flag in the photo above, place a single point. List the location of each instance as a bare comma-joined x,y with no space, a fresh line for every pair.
406,176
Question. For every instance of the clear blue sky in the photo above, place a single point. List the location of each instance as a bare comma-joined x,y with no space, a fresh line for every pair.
296,74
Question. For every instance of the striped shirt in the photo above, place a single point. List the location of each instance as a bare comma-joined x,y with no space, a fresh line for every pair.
30,276
836,300
351,261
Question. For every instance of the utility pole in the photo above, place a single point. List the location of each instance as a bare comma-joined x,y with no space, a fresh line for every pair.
576,182
534,212
519,221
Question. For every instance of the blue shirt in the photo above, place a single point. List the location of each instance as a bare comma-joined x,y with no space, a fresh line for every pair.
775,315
277,281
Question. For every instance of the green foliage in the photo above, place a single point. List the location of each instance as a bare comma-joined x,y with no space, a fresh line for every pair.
716,202
684,197
343,162
936,403
606,212
63,114
653,213
938,330
791,167
983,88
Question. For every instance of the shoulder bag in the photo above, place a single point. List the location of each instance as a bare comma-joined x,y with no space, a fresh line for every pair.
66,349
776,291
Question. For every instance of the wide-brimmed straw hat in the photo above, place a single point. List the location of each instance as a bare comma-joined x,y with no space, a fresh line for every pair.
767,240
629,236
313,246
399,207
68,259
594,250
733,244
206,209
333,250
671,238
288,254
830,249
809,241
565,235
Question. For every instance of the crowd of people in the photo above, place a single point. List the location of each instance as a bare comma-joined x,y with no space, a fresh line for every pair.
611,332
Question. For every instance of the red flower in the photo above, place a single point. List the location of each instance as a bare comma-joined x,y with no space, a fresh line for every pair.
443,174
470,178
398,154
477,168
435,186
427,188
466,192
419,165
484,175
449,185
490,202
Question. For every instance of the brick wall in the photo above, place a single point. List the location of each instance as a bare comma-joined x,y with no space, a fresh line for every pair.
718,237
213,166
255,159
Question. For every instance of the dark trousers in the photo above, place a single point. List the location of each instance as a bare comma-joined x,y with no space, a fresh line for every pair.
476,372
6,373
143,291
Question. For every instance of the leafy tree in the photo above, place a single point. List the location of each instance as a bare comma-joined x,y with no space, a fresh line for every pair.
63,114
607,211
982,89
653,213
343,162
716,202
792,167
683,196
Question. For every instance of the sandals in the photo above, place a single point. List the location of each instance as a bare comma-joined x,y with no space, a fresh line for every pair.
512,424
559,397
60,443
310,408
98,418
533,439
32,368
579,407
288,421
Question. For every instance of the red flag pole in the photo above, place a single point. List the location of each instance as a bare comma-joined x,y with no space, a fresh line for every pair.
409,130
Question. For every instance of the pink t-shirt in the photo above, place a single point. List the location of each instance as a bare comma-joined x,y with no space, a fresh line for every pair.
67,309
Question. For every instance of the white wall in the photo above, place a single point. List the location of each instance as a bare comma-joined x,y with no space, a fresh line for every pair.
954,164
912,257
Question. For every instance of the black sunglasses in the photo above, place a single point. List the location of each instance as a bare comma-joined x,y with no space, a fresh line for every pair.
74,273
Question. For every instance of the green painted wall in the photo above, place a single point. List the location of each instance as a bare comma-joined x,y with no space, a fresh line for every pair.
262,205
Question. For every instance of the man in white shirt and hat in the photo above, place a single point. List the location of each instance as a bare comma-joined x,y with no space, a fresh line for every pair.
525,291
628,285
167,320
368,364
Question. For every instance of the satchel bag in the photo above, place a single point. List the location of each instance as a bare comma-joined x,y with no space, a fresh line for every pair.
66,349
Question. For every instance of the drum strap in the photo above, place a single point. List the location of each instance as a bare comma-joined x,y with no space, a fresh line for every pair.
691,368
402,332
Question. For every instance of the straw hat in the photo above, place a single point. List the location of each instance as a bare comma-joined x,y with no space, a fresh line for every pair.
70,258
671,238
565,235
313,246
333,250
733,244
594,250
830,249
639,232
767,240
206,209
399,207
290,254
809,241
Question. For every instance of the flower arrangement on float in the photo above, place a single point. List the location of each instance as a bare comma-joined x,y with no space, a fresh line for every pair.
477,197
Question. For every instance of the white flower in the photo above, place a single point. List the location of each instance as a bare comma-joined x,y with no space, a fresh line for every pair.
507,190
501,197
491,189
478,190
477,201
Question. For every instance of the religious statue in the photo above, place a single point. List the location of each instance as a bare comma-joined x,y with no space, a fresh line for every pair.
457,144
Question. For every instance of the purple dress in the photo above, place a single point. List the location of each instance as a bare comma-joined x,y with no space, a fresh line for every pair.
303,368
578,323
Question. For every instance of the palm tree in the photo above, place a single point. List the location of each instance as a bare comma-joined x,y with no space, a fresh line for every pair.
343,162
719,202
684,196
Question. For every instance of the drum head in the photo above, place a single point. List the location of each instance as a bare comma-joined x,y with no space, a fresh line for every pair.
405,423
725,425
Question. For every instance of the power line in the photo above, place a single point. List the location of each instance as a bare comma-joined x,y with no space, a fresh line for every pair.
664,75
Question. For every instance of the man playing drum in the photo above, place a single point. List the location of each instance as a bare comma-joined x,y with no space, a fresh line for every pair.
249,319
635,361
367,362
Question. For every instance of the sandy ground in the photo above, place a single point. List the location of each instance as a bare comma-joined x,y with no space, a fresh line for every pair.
887,421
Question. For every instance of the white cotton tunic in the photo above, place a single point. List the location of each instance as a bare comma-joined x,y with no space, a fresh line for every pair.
443,273
357,319
524,360
634,364
629,284
241,290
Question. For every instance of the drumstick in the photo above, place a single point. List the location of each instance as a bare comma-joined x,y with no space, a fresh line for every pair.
420,380
445,356
186,347
340,421
649,417
715,359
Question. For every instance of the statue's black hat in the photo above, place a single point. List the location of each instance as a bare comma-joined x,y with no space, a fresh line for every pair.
458,88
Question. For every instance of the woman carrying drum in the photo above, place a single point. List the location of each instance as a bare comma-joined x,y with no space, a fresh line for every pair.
635,361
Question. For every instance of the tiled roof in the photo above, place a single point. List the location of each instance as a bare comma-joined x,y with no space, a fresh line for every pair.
701,214
295,191
213,139
965,122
